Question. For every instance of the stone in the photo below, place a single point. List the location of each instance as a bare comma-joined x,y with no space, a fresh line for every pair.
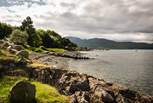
13,51
23,54
79,86
1,43
18,47
106,97
129,94
102,95
83,101
81,97
23,92
5,45
146,99
73,99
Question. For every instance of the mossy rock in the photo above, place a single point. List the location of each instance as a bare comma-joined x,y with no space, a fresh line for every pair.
23,92
23,54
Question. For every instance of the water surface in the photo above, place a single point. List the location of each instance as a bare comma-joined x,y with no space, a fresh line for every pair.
133,68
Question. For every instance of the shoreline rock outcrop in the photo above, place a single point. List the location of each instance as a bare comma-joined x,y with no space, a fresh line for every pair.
83,88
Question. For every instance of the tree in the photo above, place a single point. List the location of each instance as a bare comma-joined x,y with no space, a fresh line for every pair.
33,39
19,37
5,30
67,44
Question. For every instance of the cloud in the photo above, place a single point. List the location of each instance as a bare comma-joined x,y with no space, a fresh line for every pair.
8,3
122,20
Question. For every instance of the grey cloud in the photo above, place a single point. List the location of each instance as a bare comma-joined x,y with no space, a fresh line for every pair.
8,3
71,5
98,17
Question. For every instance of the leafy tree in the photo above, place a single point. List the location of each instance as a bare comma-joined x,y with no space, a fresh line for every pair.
5,30
52,39
27,34
19,37
33,39
67,44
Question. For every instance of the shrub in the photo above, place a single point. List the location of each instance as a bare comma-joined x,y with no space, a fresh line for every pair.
19,37
5,30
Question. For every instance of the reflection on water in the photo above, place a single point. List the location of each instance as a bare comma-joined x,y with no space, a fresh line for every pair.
133,68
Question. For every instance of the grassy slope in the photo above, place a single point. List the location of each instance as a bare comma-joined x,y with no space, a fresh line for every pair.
43,49
44,92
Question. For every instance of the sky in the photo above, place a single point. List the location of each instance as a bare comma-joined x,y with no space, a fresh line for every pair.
119,20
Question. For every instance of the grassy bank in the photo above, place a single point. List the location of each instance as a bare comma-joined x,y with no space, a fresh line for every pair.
44,92
43,49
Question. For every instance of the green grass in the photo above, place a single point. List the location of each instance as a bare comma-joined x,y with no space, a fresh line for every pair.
38,49
48,94
1,53
56,50
5,85
43,49
44,92
4,53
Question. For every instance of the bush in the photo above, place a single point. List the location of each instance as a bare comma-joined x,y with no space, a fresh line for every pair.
19,37
5,30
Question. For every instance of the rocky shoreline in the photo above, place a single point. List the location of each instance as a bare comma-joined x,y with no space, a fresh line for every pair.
81,88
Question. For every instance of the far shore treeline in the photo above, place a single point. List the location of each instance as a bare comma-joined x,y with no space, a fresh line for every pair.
28,35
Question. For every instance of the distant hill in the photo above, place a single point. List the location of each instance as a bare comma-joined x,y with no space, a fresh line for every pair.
99,43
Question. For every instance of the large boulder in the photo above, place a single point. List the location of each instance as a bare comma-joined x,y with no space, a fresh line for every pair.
23,54
23,92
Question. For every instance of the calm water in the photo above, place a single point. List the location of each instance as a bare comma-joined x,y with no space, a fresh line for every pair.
133,68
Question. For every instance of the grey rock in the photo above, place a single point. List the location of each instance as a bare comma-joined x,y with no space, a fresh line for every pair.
146,99
79,86
73,99
5,45
1,43
107,97
23,54
18,47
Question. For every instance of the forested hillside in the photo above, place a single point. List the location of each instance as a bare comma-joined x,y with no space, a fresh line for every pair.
28,35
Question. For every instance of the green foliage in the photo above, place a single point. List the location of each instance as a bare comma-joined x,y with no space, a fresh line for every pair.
19,37
68,44
49,38
37,49
5,85
5,53
5,30
52,39
44,93
34,40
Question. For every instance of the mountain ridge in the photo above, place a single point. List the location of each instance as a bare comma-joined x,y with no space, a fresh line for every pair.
101,43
